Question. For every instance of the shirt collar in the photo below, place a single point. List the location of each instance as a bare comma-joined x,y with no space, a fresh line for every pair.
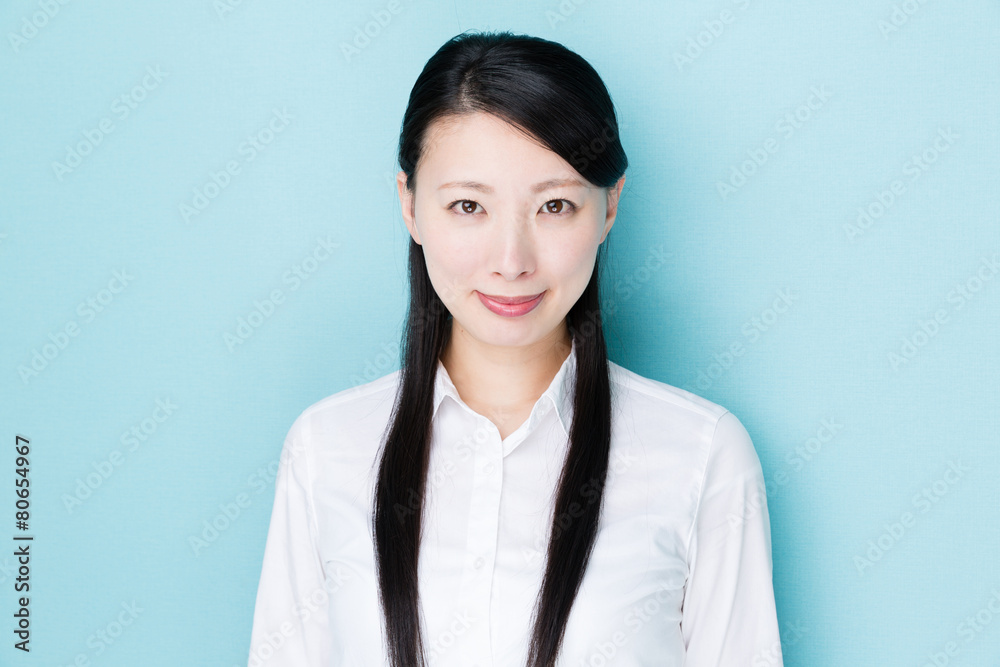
559,393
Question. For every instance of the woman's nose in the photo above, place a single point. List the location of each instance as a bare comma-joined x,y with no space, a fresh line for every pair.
513,250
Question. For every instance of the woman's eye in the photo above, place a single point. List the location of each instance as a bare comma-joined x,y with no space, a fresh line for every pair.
558,206
554,207
466,206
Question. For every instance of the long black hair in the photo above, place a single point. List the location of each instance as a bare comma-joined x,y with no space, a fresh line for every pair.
555,96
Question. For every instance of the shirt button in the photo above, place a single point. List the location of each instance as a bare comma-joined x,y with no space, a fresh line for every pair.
488,468
478,563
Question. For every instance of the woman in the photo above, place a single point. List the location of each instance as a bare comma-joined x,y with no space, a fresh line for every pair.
510,496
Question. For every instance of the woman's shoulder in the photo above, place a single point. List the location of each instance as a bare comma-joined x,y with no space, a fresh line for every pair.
357,409
696,425
655,396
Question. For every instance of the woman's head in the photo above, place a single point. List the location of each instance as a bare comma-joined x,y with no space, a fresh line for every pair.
511,171
501,114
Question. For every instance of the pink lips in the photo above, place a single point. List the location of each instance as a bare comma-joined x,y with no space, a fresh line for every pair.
511,306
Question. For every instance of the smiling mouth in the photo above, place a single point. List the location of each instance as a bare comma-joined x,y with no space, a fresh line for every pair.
511,306
512,300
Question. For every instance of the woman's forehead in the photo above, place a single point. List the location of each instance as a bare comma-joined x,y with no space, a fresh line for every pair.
485,151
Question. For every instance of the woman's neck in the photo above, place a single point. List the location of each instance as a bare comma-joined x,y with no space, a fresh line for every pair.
503,383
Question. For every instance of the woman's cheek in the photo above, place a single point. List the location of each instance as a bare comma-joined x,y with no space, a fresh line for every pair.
449,281
460,258
572,256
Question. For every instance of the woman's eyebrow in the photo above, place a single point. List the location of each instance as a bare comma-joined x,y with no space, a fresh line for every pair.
538,187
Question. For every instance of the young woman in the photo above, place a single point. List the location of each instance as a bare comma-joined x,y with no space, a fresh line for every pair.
510,496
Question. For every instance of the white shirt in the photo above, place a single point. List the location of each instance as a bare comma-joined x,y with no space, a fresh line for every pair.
680,573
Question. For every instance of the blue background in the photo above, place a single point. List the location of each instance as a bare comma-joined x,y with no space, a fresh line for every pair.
888,329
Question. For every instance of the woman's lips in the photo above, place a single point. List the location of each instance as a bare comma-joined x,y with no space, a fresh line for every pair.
510,306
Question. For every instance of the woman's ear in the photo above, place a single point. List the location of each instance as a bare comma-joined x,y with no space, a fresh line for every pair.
406,203
614,196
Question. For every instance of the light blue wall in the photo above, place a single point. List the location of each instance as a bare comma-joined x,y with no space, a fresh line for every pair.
861,356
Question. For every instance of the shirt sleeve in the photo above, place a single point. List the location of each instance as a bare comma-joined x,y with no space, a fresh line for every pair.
291,626
728,613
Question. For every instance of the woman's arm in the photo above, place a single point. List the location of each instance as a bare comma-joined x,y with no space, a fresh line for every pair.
291,625
729,616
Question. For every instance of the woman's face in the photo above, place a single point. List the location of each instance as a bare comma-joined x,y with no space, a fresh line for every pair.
499,215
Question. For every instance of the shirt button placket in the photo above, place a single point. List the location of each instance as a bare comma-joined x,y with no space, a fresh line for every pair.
484,513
